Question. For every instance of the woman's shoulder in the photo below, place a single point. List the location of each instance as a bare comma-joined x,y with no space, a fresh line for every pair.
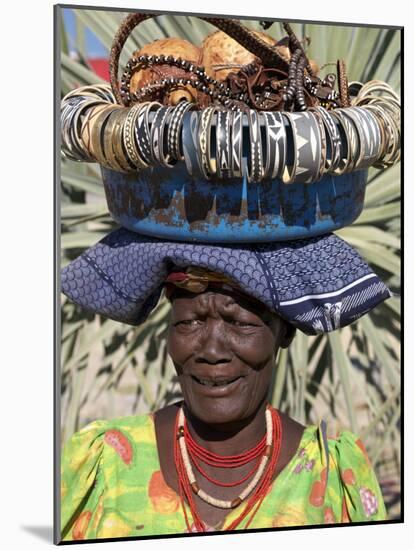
119,432
348,471
342,453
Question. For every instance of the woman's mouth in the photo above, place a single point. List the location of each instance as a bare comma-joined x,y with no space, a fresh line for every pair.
215,382
216,387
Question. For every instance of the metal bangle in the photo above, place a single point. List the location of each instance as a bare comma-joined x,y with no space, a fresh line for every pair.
128,138
190,144
275,144
76,126
289,172
368,141
255,170
308,147
322,139
208,165
346,163
118,143
223,143
390,151
334,140
108,141
68,110
97,134
86,128
174,141
157,135
237,145
143,131
377,113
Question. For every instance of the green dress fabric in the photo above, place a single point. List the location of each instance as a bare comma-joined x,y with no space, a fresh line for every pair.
112,485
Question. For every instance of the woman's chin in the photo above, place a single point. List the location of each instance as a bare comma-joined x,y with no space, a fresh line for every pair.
218,410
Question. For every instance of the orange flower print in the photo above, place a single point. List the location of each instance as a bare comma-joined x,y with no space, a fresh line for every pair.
164,500
328,515
81,524
317,495
348,477
121,445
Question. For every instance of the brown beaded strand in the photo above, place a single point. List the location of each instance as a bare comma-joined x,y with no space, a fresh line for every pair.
343,84
300,93
236,30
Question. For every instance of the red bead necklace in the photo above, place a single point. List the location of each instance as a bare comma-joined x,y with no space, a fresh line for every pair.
198,454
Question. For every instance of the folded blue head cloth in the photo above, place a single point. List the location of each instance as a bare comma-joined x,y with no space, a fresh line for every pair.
318,284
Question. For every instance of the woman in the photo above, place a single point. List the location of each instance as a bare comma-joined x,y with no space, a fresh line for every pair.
223,458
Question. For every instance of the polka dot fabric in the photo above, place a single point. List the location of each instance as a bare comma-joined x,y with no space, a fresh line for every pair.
317,284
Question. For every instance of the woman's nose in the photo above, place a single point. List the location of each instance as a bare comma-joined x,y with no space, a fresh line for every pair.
214,345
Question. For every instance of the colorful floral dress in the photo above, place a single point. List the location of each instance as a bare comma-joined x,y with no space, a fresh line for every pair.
112,485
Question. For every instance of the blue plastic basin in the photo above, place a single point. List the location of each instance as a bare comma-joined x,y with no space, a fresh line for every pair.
169,203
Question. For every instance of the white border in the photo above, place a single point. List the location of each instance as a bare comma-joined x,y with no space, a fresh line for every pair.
27,273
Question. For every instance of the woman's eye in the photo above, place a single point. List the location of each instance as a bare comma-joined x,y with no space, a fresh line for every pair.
242,324
187,322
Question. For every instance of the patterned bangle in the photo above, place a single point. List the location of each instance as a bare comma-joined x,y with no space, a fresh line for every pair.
237,145
108,141
118,142
368,133
333,138
347,162
86,128
375,139
128,138
391,149
322,139
208,165
97,134
255,167
143,130
275,144
75,130
157,136
68,111
307,148
289,172
190,144
174,141
223,143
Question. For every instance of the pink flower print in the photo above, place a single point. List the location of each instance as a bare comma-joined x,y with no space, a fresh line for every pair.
369,501
301,452
298,468
309,465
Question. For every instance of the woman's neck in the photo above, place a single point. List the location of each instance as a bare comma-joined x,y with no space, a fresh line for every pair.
230,438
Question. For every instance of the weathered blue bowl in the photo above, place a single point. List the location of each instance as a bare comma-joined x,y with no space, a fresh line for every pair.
170,204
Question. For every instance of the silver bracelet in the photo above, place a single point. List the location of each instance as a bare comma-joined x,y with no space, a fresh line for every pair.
223,144
174,142
333,137
208,165
275,144
255,172
237,145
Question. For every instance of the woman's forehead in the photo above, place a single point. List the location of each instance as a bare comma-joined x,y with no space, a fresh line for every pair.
226,298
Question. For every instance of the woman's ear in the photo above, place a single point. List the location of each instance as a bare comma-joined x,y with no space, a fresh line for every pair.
289,334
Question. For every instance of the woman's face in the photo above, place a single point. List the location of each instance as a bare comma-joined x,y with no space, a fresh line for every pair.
223,350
